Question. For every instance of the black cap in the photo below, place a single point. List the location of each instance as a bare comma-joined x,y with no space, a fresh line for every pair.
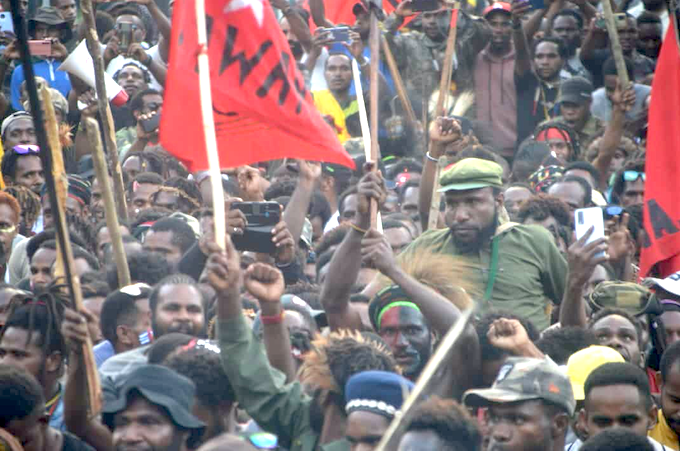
575,90
160,386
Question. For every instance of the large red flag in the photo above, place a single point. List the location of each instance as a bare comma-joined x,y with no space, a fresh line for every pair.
662,168
261,108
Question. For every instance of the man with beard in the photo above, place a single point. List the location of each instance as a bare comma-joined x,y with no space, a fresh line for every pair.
593,58
567,25
420,56
495,95
152,411
176,305
517,267
574,102
529,406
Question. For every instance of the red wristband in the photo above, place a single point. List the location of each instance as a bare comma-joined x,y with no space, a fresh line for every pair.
275,319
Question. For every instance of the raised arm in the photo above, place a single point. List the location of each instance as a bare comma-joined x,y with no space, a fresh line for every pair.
266,284
596,38
280,408
522,55
298,26
298,206
318,10
622,101
440,313
443,130
582,259
345,265
75,331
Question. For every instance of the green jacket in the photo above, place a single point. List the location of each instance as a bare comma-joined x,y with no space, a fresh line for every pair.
531,269
279,408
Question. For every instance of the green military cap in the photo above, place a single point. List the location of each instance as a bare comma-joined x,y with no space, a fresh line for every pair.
471,173
526,379
631,297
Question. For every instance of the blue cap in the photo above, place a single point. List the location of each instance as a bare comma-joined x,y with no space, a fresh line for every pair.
378,392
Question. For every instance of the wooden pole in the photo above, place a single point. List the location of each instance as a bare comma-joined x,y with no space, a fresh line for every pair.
374,45
615,44
112,224
71,279
391,438
209,126
399,83
444,88
94,48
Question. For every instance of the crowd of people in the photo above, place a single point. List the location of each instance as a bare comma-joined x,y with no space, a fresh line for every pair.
312,325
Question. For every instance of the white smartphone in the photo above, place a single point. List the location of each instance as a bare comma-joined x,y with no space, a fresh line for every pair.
585,218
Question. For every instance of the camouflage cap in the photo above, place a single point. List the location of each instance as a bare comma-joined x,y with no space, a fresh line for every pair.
471,173
526,379
627,296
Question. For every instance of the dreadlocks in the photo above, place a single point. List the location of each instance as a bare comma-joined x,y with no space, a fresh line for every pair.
185,203
30,207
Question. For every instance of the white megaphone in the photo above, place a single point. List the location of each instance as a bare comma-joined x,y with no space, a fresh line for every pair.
80,64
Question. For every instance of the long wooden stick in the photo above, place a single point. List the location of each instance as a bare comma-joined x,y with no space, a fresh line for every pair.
209,126
374,44
390,439
444,88
71,279
112,224
615,44
398,83
104,109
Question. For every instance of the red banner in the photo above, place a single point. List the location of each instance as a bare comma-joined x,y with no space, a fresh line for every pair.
261,108
662,209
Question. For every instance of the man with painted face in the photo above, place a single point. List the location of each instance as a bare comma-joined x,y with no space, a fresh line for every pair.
420,55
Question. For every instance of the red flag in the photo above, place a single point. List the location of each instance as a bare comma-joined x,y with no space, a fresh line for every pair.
261,108
340,11
662,209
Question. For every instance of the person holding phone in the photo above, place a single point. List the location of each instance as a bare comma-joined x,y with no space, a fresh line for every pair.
48,32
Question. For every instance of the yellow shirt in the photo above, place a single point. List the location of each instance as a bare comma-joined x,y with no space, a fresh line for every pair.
663,433
328,106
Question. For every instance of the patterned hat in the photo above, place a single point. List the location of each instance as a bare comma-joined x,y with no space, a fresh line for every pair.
627,296
526,379
377,392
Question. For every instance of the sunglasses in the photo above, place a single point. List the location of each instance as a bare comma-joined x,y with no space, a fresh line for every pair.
23,149
631,176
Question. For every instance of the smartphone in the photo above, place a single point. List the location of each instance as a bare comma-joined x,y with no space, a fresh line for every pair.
585,218
261,219
151,124
338,34
6,24
424,5
620,20
40,47
125,35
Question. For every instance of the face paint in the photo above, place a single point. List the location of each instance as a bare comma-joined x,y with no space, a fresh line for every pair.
406,333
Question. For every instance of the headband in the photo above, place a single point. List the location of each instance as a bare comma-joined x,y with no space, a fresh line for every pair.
395,304
553,133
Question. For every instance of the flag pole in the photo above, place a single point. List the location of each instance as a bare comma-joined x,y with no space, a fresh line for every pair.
444,88
93,46
209,126
374,45
64,245
615,44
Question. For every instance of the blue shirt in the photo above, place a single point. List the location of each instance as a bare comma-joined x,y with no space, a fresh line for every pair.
46,69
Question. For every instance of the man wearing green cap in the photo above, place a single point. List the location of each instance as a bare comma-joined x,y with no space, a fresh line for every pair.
515,267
